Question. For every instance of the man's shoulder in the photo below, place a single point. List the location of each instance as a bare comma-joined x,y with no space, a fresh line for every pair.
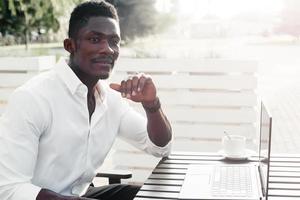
42,81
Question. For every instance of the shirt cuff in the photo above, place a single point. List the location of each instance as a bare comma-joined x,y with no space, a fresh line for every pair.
157,150
26,191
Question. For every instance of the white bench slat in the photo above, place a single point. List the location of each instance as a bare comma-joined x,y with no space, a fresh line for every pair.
5,93
125,159
212,131
13,80
196,145
203,98
186,65
15,71
221,82
212,115
39,63
123,147
202,132
207,115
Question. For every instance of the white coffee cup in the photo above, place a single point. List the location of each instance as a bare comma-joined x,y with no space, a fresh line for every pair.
234,145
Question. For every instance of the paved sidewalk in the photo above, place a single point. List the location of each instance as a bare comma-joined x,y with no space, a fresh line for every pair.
280,89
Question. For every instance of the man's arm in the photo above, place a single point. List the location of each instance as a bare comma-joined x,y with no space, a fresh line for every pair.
142,89
158,126
20,128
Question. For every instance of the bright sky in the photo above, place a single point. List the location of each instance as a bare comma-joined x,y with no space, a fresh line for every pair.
221,8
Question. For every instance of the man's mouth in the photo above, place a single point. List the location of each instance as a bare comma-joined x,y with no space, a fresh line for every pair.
103,61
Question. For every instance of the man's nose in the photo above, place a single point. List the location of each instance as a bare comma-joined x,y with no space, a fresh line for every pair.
105,47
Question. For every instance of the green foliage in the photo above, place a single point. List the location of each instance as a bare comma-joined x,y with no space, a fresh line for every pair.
21,18
139,18
24,18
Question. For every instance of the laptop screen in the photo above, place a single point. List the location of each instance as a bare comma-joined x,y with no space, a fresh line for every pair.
265,147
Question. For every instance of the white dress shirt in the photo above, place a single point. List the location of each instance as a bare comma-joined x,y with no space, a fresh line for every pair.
47,140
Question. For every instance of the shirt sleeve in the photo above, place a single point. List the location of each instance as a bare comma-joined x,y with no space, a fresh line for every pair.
20,128
133,129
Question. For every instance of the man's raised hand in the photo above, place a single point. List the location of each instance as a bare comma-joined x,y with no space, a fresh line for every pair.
139,88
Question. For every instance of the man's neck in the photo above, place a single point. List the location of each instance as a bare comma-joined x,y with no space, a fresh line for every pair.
86,79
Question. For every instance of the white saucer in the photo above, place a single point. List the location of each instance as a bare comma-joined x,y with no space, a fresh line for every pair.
248,153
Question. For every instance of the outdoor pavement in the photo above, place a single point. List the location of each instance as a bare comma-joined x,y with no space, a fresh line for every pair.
279,87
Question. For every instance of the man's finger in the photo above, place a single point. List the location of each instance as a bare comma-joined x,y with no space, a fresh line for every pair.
135,82
142,82
115,86
128,88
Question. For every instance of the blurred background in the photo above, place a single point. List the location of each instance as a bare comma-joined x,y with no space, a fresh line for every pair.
150,28
267,31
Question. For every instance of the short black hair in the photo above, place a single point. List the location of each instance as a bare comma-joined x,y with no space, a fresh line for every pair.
84,11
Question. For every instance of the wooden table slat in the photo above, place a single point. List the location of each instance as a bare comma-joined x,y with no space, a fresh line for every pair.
213,157
169,171
204,162
164,182
285,164
167,176
284,155
145,198
284,169
161,188
171,195
289,159
284,179
291,186
280,198
284,192
284,174
172,166
190,153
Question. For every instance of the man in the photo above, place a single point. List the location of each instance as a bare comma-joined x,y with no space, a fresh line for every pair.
60,125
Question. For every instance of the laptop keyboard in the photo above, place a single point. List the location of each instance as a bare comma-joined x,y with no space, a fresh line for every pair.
232,181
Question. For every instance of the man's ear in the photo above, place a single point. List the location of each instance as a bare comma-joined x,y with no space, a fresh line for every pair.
69,45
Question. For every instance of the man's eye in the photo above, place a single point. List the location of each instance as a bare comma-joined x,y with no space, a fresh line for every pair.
94,39
115,41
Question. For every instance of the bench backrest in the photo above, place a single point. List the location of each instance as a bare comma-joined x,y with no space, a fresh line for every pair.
202,99
14,71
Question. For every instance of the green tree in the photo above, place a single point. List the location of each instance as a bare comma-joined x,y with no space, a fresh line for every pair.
139,18
21,18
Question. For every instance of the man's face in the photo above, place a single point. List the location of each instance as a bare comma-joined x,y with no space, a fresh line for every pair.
97,47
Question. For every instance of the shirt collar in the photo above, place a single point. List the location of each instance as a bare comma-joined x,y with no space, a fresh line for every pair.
73,83
68,76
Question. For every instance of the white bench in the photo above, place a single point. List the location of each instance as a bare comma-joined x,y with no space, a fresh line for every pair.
202,99
14,71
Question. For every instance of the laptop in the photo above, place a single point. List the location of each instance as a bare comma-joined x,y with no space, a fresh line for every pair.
244,181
